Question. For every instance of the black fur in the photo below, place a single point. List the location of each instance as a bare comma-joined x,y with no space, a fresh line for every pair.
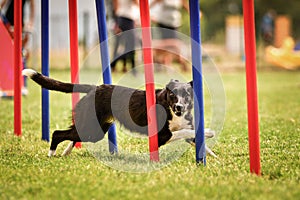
103,104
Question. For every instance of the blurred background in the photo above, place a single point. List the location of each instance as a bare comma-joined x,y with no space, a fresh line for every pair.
221,27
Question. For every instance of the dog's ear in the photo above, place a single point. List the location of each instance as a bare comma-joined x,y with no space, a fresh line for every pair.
162,96
191,83
168,86
171,84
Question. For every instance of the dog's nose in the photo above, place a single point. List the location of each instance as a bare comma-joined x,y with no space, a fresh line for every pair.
179,108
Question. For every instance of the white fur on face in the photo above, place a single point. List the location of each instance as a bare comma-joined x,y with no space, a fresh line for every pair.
180,122
181,102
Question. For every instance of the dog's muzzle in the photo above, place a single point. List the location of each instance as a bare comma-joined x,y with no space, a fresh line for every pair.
179,109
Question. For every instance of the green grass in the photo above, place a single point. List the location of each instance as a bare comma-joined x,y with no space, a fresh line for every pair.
27,173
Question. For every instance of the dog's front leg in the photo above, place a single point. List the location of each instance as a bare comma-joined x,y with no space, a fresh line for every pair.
190,134
182,134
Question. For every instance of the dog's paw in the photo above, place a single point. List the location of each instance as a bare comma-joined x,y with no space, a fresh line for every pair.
210,152
209,133
51,153
207,149
191,141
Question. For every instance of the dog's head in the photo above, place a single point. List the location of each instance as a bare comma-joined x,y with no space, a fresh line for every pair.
179,96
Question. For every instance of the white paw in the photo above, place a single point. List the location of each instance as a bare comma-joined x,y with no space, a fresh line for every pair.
209,133
51,153
210,152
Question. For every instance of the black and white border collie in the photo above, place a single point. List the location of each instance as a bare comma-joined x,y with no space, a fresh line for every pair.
103,104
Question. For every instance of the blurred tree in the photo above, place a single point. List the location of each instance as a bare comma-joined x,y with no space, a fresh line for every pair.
286,7
215,11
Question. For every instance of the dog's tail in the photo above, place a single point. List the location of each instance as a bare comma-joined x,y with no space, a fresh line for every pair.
51,84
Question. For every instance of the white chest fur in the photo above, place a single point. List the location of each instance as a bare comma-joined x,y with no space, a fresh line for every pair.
178,123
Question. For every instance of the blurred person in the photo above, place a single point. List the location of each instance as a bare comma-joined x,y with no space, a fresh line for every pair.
125,12
7,16
267,27
169,16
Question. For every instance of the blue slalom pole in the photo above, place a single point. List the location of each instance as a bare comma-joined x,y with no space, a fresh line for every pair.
106,72
45,69
197,80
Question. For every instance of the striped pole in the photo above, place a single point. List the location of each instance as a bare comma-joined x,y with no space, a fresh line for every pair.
197,80
17,67
45,68
73,23
251,82
106,72
149,79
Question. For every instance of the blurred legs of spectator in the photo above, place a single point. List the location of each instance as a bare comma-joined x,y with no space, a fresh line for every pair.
126,39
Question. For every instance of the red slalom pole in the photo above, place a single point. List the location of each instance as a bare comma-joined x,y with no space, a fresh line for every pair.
73,23
17,67
251,81
149,79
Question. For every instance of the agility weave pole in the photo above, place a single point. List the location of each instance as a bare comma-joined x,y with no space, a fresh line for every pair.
197,80
149,80
73,31
73,23
17,67
251,82
106,71
45,60
45,69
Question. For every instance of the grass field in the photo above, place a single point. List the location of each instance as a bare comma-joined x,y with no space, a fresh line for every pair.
27,173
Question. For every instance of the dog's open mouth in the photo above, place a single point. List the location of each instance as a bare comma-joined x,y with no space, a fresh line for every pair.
178,110
178,113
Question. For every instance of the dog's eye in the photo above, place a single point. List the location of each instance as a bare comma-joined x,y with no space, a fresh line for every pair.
172,95
187,98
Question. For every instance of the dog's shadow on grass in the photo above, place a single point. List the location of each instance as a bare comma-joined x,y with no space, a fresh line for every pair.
138,162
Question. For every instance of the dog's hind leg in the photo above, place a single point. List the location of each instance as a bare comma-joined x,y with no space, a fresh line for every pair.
69,149
62,135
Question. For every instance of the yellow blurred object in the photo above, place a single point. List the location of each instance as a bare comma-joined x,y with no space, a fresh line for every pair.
285,56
